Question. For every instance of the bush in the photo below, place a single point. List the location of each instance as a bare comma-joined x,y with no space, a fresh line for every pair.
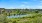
14,21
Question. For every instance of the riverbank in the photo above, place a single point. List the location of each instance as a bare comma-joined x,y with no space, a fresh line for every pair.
34,18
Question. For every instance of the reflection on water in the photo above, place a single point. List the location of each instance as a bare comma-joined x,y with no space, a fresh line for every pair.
16,16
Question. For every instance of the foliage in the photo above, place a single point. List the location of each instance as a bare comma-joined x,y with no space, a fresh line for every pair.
35,17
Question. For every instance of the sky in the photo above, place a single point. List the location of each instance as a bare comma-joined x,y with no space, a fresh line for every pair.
21,4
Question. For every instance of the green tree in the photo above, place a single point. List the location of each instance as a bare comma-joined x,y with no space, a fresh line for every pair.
36,11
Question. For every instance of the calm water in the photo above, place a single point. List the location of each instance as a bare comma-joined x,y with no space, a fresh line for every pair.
17,16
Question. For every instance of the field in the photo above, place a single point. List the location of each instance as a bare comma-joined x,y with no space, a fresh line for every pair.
34,17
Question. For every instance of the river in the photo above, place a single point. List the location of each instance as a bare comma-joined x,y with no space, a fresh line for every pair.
17,16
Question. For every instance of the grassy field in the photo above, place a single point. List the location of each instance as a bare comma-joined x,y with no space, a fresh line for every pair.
33,18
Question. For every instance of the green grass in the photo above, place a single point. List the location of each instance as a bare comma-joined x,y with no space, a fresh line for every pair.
34,18
27,20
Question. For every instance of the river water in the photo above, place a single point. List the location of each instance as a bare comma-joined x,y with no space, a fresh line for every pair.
17,16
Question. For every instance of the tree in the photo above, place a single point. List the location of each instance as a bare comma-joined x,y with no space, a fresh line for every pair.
36,11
